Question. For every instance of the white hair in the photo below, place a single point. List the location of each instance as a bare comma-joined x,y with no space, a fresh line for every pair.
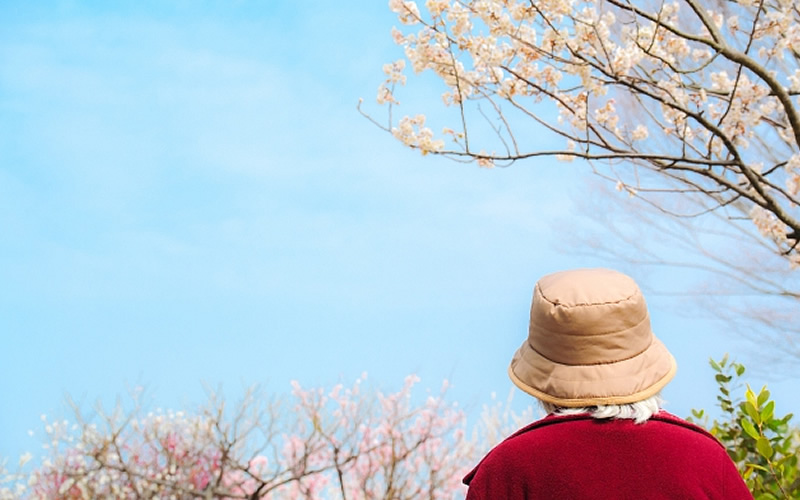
639,411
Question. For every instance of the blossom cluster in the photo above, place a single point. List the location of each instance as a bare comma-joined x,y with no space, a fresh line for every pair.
413,132
156,450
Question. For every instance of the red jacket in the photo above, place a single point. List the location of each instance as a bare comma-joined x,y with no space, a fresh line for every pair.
580,457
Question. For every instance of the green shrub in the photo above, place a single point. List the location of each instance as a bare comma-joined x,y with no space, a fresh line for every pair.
764,446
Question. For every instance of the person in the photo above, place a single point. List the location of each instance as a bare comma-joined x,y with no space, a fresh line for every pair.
595,365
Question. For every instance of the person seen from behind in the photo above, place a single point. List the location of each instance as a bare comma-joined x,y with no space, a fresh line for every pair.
595,365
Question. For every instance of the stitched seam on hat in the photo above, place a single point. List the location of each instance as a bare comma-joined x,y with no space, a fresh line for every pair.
529,363
583,304
609,332
599,363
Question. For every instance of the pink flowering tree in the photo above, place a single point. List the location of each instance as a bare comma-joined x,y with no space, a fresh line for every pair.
343,443
685,98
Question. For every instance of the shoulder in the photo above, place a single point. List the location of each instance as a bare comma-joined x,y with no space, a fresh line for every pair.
541,429
680,426
670,419
663,431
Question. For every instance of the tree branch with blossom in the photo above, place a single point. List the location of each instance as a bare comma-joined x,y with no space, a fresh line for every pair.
643,85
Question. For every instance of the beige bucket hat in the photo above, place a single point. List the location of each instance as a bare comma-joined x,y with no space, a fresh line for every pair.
590,343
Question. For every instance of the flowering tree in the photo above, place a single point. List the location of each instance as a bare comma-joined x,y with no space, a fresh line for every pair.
344,443
661,97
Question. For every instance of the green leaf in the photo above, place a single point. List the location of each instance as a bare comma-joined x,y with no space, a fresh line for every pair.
764,448
751,396
714,365
750,409
763,396
739,369
756,466
749,428
777,426
753,412
768,411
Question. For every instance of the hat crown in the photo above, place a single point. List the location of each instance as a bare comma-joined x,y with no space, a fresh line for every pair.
587,287
588,316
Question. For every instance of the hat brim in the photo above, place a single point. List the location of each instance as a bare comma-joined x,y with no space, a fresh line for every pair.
627,381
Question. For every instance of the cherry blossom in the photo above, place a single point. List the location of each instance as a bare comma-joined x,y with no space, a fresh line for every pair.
693,94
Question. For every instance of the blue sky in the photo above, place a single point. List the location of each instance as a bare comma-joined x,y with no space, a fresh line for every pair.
188,196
